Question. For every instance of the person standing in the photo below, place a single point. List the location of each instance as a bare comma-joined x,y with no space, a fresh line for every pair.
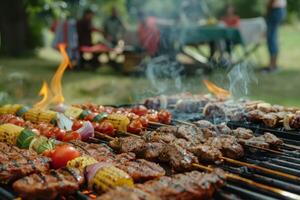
276,11
113,27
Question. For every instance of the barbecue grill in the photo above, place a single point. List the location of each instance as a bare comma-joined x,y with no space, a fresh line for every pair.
255,166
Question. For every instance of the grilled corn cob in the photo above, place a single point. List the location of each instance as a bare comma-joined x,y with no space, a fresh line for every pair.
81,162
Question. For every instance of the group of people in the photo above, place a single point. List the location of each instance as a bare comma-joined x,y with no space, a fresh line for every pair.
149,36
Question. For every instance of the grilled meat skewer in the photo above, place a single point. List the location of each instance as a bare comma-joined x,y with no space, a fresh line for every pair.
187,186
16,163
49,185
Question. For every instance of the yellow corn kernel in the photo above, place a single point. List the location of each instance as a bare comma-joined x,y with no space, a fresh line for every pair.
109,177
9,133
81,162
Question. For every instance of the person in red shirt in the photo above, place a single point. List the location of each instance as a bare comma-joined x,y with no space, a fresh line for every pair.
149,34
230,19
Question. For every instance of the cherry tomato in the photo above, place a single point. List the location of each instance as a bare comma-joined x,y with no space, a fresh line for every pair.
152,117
17,121
164,117
60,134
144,121
90,117
77,125
135,126
73,135
140,110
105,127
62,154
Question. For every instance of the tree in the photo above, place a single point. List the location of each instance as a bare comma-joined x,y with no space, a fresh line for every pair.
14,28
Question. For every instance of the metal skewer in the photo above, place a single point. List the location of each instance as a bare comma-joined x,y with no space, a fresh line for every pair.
231,176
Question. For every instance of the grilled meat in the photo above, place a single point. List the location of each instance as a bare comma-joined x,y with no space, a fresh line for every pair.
187,186
128,144
206,153
242,133
178,158
127,193
49,185
100,152
270,120
141,170
16,163
165,136
227,144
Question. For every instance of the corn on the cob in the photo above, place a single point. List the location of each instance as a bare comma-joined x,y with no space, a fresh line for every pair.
73,112
37,115
9,133
81,162
108,177
10,109
119,121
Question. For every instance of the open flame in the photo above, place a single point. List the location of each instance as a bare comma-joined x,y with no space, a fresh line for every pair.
56,87
217,91
54,95
46,94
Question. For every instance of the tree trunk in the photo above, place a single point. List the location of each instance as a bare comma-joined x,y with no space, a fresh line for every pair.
13,27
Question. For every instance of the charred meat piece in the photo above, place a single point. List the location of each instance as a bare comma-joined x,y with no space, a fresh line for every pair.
295,122
100,152
152,150
128,144
204,124
242,133
224,129
177,157
165,135
187,186
255,115
16,163
227,144
206,153
255,141
272,140
270,120
127,193
141,170
214,111
192,134
49,185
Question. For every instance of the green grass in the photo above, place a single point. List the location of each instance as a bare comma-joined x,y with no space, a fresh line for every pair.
21,79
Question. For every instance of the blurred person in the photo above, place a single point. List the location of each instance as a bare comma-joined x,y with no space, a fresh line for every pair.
113,27
232,20
148,33
276,11
84,31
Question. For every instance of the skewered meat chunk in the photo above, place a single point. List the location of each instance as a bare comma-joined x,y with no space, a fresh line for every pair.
16,163
165,136
206,153
272,140
204,124
152,150
141,170
128,144
187,186
100,152
224,129
178,158
255,141
270,120
49,185
228,145
127,193
255,115
295,122
243,133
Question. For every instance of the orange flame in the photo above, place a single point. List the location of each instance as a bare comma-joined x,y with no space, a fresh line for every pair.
217,91
46,94
56,87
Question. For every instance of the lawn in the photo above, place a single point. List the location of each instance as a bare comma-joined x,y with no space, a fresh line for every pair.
21,79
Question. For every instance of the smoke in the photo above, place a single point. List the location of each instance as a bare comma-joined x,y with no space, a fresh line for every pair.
164,74
240,77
